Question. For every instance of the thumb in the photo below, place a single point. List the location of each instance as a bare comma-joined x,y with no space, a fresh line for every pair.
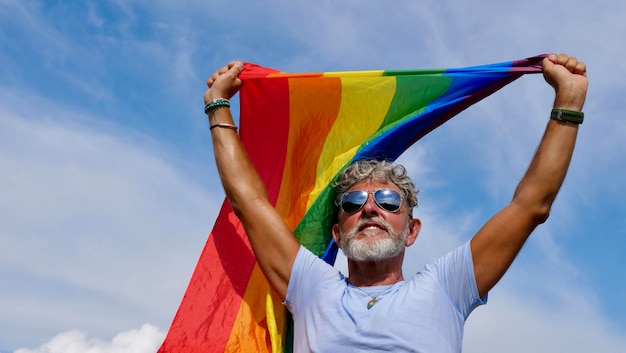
235,67
548,62
548,68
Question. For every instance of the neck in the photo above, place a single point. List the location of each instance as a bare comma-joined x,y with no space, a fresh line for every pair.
375,273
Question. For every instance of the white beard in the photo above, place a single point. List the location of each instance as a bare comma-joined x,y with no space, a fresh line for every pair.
367,250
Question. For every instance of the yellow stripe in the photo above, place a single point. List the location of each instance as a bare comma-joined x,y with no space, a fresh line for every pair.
275,324
370,73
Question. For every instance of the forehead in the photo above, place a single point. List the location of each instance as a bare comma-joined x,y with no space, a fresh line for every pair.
374,184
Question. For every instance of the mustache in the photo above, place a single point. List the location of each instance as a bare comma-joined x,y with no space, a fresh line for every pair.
377,219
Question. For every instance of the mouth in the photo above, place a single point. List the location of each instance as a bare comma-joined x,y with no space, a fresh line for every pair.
372,228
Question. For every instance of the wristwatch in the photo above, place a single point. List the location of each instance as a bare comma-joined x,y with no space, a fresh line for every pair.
571,116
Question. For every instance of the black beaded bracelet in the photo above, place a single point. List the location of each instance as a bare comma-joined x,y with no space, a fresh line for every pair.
218,102
571,116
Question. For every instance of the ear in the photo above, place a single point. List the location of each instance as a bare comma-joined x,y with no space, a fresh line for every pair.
336,234
415,225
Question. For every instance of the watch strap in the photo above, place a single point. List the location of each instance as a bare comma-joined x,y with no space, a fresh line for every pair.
571,116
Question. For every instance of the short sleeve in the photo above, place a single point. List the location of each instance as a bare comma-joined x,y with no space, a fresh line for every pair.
454,273
308,272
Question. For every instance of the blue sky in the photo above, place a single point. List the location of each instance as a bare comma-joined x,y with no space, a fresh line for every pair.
109,189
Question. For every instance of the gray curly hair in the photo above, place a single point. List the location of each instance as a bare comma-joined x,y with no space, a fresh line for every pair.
381,170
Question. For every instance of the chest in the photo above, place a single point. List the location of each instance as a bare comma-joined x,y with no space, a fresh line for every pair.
404,319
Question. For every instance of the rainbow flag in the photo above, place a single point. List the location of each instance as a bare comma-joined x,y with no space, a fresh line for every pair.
300,131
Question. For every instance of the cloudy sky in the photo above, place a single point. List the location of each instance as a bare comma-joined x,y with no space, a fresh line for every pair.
109,190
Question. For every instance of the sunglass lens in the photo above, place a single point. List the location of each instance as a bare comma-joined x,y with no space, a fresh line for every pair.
389,200
353,201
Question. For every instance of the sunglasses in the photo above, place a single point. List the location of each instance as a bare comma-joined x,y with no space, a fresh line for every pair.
387,199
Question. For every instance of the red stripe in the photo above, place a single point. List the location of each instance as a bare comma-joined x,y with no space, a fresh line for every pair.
206,314
211,303
265,130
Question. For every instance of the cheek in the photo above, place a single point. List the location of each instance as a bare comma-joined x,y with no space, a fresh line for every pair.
400,224
347,222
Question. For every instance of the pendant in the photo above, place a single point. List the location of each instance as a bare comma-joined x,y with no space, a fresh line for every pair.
371,303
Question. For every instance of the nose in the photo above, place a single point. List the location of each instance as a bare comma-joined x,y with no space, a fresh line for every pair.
370,207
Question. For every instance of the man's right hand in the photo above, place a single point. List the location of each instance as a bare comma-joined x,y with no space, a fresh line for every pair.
225,82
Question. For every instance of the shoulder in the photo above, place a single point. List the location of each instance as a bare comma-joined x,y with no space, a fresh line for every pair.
310,271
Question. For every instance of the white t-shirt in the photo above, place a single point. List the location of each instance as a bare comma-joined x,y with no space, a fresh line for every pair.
423,314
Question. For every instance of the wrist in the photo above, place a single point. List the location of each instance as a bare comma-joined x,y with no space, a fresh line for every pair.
572,106
218,114
570,99
216,103
213,94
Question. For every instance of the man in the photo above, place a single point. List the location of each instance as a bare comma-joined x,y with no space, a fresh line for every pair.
375,309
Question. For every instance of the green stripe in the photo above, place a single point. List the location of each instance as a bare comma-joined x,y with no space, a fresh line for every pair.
413,94
314,230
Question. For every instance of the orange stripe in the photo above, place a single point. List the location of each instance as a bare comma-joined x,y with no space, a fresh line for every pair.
259,309
320,99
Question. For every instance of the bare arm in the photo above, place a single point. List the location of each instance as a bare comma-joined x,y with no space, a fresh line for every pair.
272,241
498,242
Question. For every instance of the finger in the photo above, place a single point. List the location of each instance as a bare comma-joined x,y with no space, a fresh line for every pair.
562,59
235,68
231,70
548,61
223,69
581,68
571,63
211,80
551,57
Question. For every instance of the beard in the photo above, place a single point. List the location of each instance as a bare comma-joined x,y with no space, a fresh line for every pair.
377,250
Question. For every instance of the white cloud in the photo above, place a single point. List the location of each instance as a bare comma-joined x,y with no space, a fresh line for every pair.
146,339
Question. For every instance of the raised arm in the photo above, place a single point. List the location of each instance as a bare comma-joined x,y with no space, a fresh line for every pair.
272,241
497,243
